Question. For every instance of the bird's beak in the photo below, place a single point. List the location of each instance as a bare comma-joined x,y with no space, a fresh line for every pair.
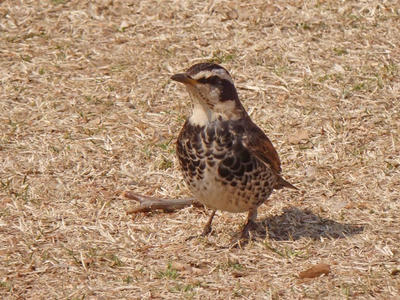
184,78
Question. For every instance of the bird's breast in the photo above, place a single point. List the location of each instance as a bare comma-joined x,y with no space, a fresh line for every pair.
219,170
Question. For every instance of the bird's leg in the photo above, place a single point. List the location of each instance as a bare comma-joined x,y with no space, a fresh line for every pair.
250,224
207,227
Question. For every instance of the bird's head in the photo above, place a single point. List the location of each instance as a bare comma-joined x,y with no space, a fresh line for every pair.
213,93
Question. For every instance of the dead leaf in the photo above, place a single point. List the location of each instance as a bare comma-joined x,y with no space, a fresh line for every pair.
315,271
310,172
181,267
232,14
87,261
395,272
203,42
197,271
337,69
299,136
237,274
360,205
124,25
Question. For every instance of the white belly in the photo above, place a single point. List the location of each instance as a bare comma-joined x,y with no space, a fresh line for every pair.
215,195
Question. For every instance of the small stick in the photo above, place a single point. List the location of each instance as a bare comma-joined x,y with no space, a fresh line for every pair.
152,203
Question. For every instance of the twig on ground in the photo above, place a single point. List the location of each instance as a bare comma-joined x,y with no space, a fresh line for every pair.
152,203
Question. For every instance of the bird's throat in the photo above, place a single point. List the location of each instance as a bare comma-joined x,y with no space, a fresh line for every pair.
201,115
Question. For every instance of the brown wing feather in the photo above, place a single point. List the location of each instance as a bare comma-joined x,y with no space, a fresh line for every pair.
260,146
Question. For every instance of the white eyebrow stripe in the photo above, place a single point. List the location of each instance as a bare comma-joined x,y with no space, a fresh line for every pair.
221,73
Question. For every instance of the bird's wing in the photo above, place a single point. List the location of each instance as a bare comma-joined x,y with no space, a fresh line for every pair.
259,145
255,140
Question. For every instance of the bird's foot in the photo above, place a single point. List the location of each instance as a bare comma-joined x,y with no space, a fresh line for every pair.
250,231
252,227
205,232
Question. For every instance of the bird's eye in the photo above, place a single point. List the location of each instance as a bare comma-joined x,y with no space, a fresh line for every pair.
202,80
214,80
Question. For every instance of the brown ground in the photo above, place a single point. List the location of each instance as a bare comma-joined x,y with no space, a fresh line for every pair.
87,110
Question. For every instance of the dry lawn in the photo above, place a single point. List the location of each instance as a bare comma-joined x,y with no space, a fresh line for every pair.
87,110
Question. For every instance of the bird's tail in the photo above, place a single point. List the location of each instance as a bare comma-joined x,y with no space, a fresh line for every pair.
282,183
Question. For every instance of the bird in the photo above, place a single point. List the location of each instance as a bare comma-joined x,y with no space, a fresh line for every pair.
227,161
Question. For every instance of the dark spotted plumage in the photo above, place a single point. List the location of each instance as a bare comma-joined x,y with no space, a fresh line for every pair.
213,158
227,161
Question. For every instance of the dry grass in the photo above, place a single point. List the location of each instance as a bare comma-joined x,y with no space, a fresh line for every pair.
87,110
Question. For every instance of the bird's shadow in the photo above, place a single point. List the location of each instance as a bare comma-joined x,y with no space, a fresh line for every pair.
294,224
